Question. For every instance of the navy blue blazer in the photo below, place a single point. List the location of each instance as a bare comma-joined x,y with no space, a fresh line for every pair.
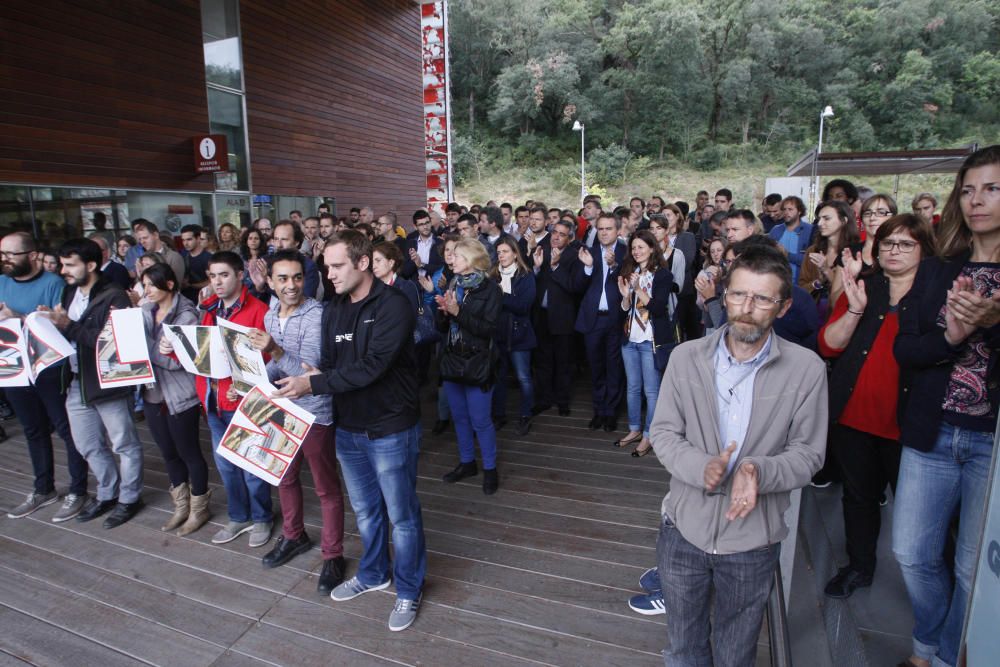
514,330
586,320
558,283
409,269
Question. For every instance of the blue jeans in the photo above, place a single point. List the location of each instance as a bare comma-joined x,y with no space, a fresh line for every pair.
381,479
641,378
120,479
931,486
707,631
521,361
470,410
248,497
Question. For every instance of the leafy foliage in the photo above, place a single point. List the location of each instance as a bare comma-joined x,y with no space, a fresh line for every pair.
713,82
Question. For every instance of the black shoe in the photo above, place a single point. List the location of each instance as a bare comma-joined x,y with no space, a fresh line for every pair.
847,579
122,513
596,422
95,508
332,575
440,426
611,424
564,411
285,550
461,471
490,481
542,407
524,426
499,423
6,412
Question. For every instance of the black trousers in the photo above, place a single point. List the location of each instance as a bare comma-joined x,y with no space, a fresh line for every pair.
177,438
41,408
866,463
553,365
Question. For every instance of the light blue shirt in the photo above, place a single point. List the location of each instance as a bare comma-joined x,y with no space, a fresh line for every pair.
734,394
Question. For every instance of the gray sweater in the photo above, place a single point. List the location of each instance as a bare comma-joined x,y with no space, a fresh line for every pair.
174,383
301,341
786,440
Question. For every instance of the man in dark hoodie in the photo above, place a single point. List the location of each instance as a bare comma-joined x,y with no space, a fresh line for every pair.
368,362
100,419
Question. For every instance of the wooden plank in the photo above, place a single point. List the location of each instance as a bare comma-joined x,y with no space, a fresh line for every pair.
291,649
39,643
134,596
131,635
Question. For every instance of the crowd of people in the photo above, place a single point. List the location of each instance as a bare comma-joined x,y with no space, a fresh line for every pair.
753,352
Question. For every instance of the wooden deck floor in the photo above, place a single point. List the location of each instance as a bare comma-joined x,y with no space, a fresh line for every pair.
537,574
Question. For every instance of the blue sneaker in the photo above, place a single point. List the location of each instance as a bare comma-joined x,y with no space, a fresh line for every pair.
647,605
650,581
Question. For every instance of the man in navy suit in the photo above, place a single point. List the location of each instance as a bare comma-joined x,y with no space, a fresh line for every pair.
600,318
422,251
555,265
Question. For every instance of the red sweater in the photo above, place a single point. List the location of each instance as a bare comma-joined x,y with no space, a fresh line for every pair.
872,406
249,312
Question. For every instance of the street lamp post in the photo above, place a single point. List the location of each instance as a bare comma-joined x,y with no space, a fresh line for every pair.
827,112
579,127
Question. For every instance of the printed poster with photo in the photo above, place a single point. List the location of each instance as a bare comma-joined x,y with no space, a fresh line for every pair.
246,364
198,349
44,344
122,355
13,360
265,434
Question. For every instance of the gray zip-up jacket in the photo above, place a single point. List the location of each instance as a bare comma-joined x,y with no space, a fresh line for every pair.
786,440
301,340
176,384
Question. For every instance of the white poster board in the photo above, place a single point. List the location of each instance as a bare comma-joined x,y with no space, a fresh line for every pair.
122,355
246,364
13,360
198,349
265,434
44,344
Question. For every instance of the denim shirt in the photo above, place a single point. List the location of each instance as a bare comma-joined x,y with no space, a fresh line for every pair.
734,393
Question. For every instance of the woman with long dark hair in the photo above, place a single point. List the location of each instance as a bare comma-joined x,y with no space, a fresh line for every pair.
515,336
171,406
645,284
947,349
864,385
837,229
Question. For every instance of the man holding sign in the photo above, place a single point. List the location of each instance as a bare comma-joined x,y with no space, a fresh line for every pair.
24,287
369,364
291,337
93,412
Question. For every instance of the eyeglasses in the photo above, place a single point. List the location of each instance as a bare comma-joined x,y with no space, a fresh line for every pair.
4,253
880,212
904,246
760,302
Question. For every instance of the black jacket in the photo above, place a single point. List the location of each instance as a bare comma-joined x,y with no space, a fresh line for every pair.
514,330
926,359
478,314
104,296
848,365
369,363
560,314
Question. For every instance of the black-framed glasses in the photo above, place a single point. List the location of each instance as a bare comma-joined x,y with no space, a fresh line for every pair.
904,246
760,301
880,212
4,253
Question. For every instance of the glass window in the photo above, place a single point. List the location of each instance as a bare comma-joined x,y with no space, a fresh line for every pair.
172,210
225,113
234,209
15,210
220,34
64,213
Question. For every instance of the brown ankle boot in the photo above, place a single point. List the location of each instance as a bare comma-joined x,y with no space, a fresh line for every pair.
199,515
182,504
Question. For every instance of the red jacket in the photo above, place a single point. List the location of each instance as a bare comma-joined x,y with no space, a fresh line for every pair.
249,312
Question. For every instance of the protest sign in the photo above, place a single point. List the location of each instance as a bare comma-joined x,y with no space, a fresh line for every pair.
44,344
122,355
198,349
265,434
246,364
13,360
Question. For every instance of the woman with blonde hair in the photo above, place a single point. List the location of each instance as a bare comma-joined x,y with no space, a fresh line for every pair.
471,308
229,237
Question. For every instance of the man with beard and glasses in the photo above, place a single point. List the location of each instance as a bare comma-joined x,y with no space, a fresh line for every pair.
740,423
23,288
